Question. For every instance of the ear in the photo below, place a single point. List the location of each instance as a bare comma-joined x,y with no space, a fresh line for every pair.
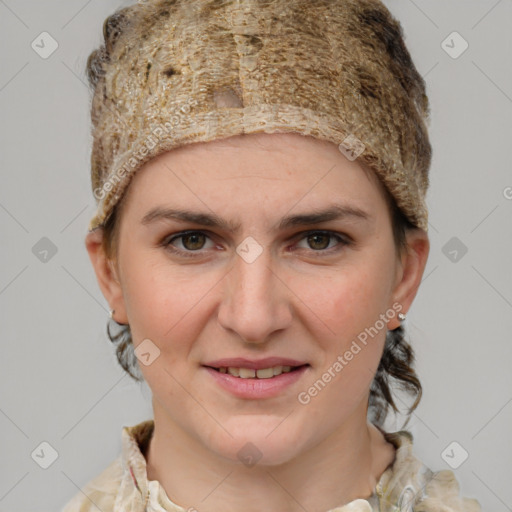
410,271
106,274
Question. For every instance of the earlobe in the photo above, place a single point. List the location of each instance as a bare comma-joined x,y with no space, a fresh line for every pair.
414,262
106,273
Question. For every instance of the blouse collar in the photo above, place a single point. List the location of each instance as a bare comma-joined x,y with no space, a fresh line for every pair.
404,479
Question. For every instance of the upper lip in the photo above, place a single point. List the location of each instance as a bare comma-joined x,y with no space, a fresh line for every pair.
240,362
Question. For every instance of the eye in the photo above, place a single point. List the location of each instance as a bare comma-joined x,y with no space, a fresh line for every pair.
319,241
191,241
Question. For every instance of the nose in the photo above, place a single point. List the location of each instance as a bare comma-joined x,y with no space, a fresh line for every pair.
255,300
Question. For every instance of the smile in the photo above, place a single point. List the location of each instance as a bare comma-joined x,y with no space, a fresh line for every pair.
250,373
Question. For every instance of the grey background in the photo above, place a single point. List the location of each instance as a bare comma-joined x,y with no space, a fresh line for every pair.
59,378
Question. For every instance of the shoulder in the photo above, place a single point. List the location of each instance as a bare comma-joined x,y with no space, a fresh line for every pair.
122,485
100,493
414,486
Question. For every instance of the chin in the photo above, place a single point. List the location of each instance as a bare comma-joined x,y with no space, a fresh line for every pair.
256,444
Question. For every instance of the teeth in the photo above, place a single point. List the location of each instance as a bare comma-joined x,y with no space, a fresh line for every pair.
265,373
248,373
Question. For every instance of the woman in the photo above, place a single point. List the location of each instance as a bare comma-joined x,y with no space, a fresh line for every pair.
261,170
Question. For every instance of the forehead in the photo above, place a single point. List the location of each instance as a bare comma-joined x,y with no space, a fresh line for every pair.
283,142
209,154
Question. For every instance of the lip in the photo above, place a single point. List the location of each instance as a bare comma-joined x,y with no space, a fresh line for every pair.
257,388
267,362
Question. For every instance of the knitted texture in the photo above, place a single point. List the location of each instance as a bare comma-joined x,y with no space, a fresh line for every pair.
175,72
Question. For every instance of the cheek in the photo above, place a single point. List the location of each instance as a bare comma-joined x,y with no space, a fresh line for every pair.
164,303
345,309
347,301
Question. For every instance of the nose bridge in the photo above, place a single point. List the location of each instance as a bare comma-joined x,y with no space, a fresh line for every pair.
253,282
253,304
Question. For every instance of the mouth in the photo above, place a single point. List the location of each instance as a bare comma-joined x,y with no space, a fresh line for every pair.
261,373
260,383
257,379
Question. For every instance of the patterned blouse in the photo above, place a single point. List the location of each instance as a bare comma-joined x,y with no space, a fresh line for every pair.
405,486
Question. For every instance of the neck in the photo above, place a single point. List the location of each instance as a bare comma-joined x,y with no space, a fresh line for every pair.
345,466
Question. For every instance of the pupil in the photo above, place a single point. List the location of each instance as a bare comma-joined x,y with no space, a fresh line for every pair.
326,237
188,237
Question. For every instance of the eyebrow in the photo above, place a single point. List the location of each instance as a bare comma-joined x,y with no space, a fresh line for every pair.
333,212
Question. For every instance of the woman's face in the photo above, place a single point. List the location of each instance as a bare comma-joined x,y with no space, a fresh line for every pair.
255,281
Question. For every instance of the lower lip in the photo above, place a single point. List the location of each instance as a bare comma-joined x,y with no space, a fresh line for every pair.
256,388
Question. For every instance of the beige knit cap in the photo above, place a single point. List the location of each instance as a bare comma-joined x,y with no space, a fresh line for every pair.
174,72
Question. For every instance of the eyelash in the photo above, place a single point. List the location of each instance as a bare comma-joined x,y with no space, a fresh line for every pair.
166,243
